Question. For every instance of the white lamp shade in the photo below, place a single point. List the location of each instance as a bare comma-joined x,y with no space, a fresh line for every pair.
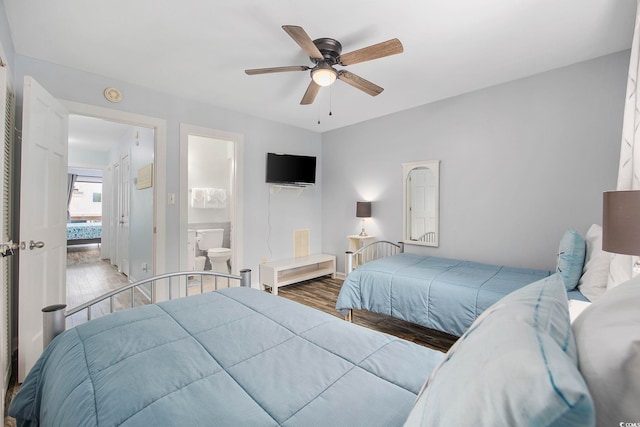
324,76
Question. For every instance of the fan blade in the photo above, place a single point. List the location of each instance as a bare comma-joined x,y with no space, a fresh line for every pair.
380,50
310,94
359,83
276,69
303,40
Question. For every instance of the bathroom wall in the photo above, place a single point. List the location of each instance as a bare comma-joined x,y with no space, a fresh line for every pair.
209,162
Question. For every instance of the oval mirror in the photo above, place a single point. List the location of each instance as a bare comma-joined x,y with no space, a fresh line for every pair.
421,188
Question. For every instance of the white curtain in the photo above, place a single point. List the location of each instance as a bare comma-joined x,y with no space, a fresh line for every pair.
621,267
71,181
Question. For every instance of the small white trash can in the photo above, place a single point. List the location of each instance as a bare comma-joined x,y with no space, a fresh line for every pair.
199,263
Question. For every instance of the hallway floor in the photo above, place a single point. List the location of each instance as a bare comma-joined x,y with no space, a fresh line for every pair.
88,277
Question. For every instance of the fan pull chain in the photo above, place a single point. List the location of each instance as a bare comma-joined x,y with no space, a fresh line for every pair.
330,100
330,103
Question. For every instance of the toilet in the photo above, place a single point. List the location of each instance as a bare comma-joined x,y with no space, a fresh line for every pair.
210,241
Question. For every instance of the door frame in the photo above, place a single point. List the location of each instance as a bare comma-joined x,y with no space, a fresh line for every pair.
237,185
159,127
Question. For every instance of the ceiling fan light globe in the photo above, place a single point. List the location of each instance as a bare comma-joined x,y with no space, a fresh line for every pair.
324,76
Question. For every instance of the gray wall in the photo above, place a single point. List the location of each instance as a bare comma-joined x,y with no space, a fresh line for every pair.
141,204
208,167
283,212
520,162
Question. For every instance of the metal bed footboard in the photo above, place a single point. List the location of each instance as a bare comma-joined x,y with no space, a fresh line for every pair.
370,252
54,321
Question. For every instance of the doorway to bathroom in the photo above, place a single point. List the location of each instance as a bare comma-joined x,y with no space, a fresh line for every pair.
209,205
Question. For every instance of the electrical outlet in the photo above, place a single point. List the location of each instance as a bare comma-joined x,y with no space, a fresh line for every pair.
144,266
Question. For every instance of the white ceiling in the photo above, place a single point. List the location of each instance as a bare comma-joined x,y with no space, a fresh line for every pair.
89,133
199,49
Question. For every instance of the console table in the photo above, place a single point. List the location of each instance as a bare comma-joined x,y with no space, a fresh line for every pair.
284,272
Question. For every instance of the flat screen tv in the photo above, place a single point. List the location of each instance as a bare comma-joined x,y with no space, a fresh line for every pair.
290,169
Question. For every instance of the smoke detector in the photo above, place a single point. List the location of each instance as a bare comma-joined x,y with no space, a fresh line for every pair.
112,94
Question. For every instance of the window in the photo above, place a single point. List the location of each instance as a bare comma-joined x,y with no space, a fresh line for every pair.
86,202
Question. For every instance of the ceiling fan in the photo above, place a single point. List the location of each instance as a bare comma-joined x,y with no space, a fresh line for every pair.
326,53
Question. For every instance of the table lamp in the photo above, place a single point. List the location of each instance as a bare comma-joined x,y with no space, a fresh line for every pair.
621,222
363,210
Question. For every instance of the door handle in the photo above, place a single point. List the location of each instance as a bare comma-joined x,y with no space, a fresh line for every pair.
33,245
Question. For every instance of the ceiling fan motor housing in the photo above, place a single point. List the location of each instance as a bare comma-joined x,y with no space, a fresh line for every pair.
330,50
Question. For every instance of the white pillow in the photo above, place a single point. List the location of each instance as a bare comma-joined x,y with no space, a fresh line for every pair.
593,282
607,336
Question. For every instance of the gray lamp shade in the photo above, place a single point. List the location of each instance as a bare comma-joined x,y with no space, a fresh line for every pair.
363,209
621,222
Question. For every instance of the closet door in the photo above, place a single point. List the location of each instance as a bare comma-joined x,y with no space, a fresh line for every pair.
124,202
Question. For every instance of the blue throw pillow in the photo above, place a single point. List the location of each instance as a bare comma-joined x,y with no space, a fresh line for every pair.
571,254
516,365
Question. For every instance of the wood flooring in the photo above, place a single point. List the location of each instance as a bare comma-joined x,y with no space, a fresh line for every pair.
88,277
323,294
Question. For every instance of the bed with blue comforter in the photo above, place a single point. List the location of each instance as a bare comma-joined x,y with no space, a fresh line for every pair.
80,233
439,293
235,357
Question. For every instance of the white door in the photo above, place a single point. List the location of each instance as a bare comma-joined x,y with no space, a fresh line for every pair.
43,218
107,181
423,213
123,215
115,216
419,206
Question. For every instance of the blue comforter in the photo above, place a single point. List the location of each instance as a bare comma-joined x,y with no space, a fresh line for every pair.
84,230
439,293
236,357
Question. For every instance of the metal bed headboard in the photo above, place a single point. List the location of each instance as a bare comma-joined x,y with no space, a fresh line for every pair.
370,252
54,316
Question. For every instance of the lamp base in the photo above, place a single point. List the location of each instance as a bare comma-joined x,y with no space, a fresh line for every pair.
363,233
